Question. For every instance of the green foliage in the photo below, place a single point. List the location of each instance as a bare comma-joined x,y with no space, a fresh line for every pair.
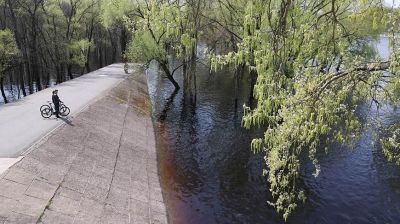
114,11
372,21
79,50
164,30
391,144
8,50
310,77
69,26
142,48
393,85
161,29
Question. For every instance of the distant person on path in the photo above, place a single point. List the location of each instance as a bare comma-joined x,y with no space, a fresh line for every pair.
56,102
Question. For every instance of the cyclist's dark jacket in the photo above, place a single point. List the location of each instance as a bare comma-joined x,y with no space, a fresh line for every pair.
56,100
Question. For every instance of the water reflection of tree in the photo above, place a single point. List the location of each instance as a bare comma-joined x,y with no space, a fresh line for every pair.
168,102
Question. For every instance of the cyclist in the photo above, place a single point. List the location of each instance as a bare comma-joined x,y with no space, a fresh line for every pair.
56,102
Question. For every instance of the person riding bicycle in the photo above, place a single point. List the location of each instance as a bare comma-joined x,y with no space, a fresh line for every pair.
56,101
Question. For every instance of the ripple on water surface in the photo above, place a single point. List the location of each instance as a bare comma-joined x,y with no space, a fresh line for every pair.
209,174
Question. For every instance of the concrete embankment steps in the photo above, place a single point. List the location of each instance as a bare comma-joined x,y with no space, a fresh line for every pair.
100,168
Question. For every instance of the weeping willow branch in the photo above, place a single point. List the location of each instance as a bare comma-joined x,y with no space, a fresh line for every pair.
367,68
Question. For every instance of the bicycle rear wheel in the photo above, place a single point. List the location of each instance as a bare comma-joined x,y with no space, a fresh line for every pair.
46,111
64,111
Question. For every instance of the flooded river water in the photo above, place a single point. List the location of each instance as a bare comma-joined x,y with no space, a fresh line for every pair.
209,174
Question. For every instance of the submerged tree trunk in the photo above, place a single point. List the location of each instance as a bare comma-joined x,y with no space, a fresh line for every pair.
2,90
167,106
192,82
165,68
253,80
236,95
185,78
237,89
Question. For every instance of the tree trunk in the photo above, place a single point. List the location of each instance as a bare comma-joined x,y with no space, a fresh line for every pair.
34,53
90,36
253,80
87,66
186,85
105,56
69,69
30,82
185,74
62,70
114,54
165,68
10,83
2,90
19,42
48,80
123,40
58,74
237,86
22,80
100,56
194,82
114,46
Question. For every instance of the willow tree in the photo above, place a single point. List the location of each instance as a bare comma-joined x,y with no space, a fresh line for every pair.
391,144
310,78
391,139
161,32
8,52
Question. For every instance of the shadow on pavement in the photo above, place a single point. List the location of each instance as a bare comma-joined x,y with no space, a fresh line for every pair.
67,120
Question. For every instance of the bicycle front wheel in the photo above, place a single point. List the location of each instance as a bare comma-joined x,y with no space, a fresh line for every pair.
64,111
43,106
46,111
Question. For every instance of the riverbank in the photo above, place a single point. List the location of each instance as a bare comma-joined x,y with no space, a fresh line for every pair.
101,167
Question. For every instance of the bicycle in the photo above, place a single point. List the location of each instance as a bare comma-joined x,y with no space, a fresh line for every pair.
46,110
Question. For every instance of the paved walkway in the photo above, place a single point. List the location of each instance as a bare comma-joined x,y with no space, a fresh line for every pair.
21,123
101,168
